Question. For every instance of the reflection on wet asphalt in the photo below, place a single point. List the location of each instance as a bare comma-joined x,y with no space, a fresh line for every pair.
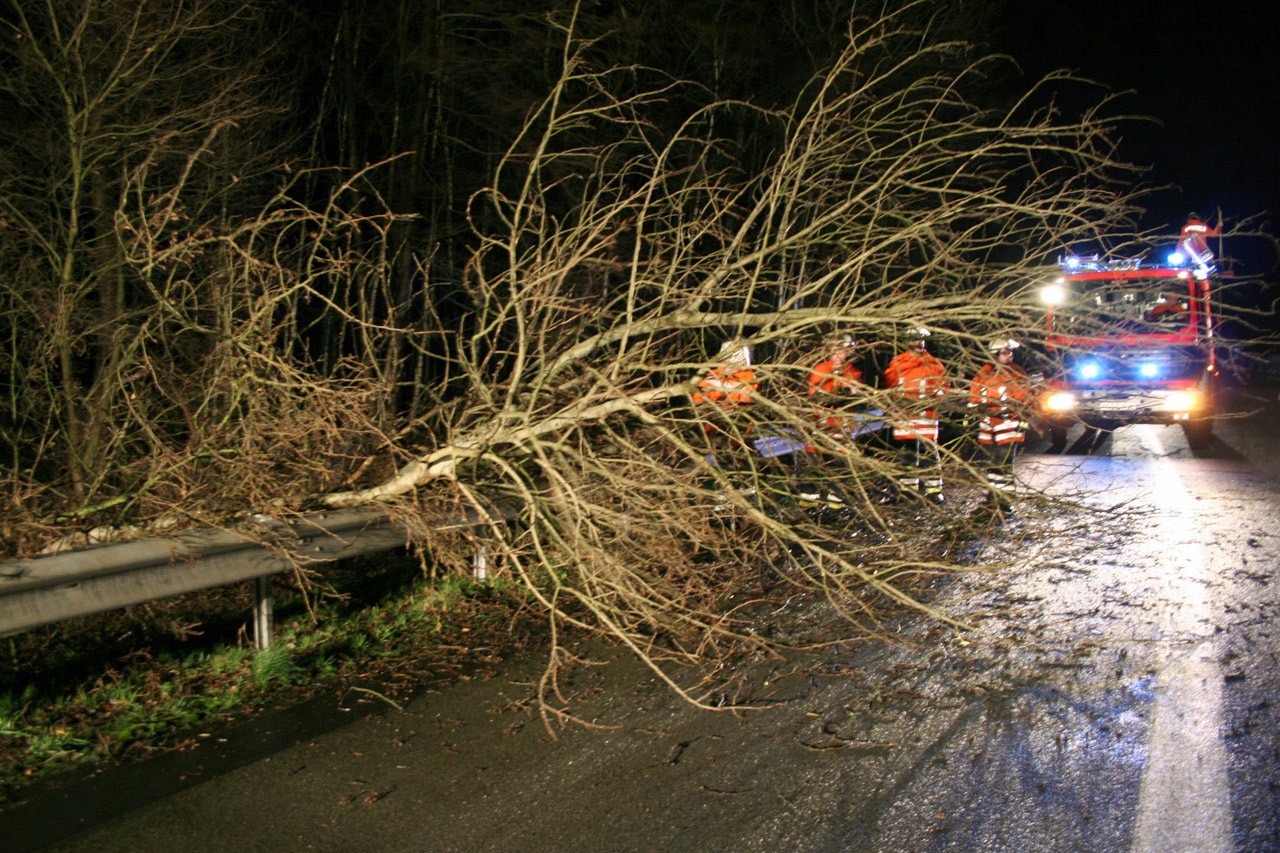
1156,544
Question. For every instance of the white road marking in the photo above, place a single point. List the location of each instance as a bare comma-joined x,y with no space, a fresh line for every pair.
1184,801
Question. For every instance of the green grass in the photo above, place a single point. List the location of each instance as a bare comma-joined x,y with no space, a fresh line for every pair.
275,666
154,701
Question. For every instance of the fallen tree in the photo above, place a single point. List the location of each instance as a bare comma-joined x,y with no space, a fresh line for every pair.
887,200
616,250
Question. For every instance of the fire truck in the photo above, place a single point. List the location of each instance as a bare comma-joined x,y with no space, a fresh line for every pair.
1133,342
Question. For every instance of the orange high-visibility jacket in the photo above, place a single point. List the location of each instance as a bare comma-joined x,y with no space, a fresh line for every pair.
997,391
916,376
826,378
728,387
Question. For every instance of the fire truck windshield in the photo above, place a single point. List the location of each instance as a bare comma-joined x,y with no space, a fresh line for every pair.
1134,306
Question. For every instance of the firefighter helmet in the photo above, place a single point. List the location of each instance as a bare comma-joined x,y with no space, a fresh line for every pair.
1002,344
736,352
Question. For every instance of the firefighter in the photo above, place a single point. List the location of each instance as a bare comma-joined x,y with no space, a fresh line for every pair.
833,383
730,385
1193,241
996,394
723,393
919,380
834,380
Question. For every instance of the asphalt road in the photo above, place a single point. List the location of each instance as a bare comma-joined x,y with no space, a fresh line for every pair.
1120,693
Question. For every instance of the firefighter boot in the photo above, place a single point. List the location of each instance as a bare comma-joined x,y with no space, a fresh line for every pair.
933,491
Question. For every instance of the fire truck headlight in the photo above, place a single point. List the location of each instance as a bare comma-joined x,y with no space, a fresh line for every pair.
1149,370
1182,401
1053,294
1089,370
1062,401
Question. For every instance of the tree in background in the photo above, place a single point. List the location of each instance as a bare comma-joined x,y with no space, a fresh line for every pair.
158,260
108,105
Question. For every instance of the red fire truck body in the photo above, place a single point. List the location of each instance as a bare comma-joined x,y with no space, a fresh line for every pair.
1131,344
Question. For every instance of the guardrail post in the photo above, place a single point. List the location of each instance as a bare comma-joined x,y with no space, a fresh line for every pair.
263,613
480,565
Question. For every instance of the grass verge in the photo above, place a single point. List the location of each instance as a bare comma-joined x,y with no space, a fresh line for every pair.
125,685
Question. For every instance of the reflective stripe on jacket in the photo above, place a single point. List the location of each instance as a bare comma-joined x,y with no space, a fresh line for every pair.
916,376
997,391
730,389
905,430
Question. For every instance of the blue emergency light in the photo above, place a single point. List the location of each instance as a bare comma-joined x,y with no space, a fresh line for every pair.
1089,370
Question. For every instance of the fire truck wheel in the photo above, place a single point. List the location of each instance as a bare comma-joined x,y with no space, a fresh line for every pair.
1199,433
1058,437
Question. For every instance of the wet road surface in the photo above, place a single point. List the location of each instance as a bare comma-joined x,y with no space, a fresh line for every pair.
1120,693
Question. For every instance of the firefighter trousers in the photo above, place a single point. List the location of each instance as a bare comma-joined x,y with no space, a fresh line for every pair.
920,466
997,462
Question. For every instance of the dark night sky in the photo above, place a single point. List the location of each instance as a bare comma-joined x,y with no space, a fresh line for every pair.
1208,71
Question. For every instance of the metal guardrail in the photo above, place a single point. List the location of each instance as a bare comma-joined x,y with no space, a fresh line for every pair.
48,589
53,588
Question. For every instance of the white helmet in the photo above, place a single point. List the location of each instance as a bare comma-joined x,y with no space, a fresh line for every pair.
735,352
999,344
